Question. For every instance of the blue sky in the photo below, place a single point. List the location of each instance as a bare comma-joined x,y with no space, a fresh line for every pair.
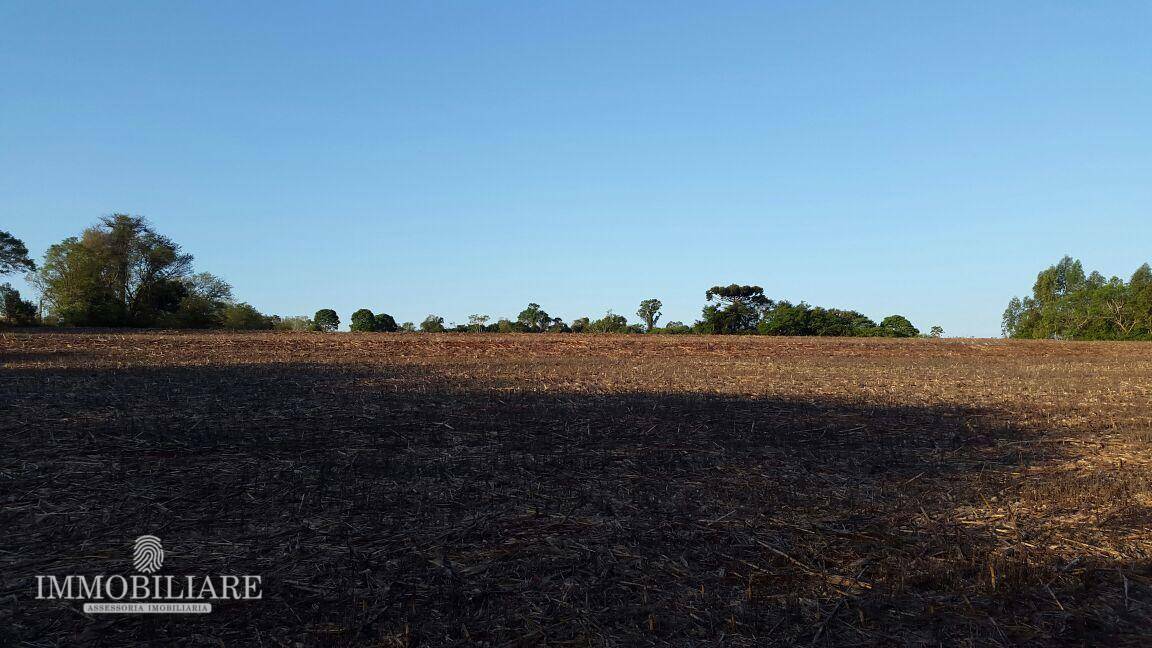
469,157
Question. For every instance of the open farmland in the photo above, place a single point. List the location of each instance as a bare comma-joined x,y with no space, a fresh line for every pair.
404,490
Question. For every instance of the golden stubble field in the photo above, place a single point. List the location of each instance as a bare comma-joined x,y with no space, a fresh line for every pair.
453,489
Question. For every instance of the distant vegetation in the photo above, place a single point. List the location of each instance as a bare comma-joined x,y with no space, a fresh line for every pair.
1067,304
121,272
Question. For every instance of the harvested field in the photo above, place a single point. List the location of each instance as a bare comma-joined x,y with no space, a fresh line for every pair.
578,490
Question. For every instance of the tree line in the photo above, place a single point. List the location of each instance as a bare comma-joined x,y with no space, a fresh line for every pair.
1068,304
122,272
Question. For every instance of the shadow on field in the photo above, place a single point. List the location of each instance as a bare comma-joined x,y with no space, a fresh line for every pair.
395,506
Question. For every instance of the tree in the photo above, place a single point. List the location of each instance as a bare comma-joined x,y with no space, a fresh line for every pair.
936,331
477,322
1066,304
293,323
898,326
14,255
244,316
432,324
1140,286
385,323
580,324
197,301
14,309
610,323
118,272
738,309
408,327
534,319
326,320
363,321
649,311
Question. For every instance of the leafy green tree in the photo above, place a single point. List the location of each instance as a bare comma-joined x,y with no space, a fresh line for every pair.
936,331
119,272
292,323
677,328
1066,304
610,323
580,324
432,324
363,321
14,309
408,327
738,309
196,301
14,255
784,318
244,316
649,312
505,326
898,326
476,322
1140,285
534,319
385,323
326,320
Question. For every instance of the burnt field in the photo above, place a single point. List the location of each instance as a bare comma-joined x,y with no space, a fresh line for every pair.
578,490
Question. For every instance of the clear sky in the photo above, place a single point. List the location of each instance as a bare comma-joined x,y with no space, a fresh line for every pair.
924,158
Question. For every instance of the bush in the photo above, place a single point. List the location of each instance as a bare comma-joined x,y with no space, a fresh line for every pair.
432,324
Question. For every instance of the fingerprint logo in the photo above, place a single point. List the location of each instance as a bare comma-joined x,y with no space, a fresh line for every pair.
148,555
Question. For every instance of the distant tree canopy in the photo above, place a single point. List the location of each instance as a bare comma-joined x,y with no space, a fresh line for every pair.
898,326
432,324
14,255
476,322
534,319
326,320
649,312
121,272
738,309
745,310
14,309
1067,304
385,323
610,323
364,321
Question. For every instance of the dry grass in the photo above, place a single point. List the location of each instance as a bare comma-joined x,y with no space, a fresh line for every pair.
400,490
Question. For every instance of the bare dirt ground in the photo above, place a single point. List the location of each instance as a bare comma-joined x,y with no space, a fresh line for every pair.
577,490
